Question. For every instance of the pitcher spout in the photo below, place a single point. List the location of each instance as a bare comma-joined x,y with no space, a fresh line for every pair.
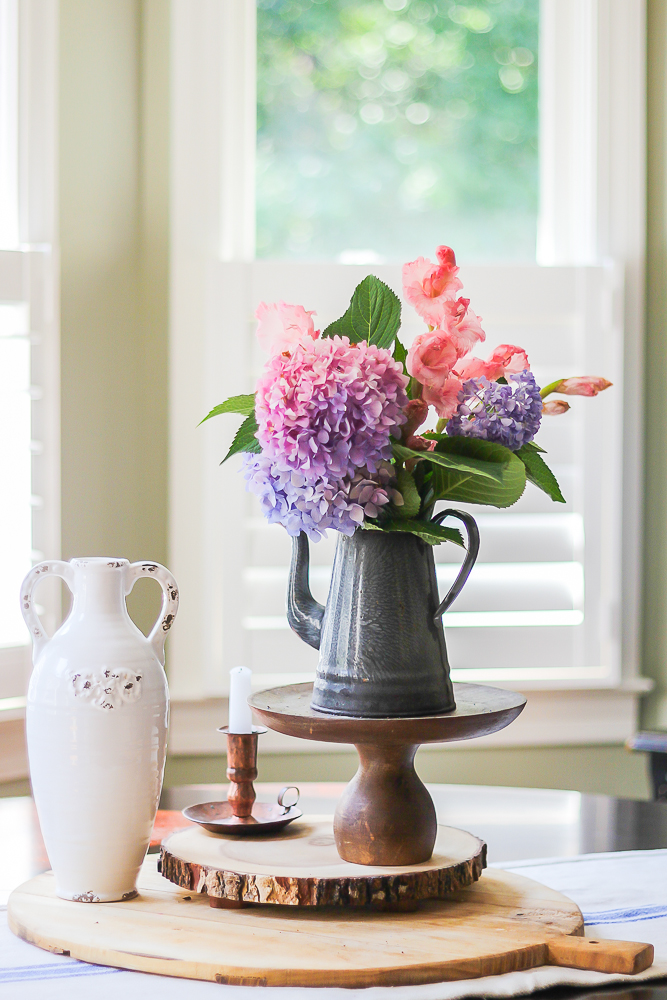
304,614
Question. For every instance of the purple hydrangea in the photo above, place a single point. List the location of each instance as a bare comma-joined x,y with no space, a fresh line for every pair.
287,498
508,414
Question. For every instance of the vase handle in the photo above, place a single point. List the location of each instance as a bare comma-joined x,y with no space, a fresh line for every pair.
158,634
471,555
50,567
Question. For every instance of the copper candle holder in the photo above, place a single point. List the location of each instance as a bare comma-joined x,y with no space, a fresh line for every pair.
241,814
242,770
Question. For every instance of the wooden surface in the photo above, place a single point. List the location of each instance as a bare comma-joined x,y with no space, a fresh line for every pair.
300,866
502,923
480,710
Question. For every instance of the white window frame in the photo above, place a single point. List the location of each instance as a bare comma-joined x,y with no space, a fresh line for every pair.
29,273
592,212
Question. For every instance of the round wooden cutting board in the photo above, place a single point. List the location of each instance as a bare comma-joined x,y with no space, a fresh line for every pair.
502,923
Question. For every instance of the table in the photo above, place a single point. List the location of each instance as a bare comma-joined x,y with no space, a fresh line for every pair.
516,823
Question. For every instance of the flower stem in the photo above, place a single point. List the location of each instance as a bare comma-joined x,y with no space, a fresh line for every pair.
552,387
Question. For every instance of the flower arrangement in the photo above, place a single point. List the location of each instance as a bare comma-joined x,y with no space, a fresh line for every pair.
330,435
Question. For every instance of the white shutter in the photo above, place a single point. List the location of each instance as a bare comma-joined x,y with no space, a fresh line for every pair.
542,602
29,370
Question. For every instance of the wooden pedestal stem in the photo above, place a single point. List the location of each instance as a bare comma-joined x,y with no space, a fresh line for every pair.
386,815
242,769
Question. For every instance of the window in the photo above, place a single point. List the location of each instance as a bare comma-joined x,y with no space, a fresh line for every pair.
383,125
553,600
29,507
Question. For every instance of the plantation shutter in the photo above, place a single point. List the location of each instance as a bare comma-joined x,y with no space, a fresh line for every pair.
542,602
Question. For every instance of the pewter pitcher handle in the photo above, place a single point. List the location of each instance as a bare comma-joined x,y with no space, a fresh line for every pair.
50,567
471,555
158,634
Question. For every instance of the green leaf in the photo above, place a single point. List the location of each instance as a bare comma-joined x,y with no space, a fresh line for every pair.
455,485
245,405
533,446
459,463
342,328
244,439
374,314
432,533
400,353
376,310
407,486
539,473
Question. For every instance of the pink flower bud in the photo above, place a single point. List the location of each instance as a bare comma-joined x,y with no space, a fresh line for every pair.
416,411
554,407
582,385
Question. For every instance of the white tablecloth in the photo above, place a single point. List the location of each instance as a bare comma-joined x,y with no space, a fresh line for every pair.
622,896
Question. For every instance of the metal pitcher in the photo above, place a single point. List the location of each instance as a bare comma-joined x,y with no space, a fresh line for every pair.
380,636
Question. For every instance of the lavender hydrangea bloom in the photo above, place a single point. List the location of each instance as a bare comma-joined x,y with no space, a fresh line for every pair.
328,407
509,414
287,498
325,411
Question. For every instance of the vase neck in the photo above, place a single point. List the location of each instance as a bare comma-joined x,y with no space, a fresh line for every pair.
99,587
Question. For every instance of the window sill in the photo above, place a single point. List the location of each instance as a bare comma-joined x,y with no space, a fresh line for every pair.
585,714
577,715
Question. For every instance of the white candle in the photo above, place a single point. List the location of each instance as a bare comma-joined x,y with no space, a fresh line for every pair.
240,716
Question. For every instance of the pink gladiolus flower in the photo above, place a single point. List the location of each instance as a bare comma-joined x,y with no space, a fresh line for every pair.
282,327
427,286
554,407
445,397
431,358
504,360
582,385
463,326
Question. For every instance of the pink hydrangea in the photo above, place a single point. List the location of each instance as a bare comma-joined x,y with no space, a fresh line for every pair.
428,286
328,407
282,327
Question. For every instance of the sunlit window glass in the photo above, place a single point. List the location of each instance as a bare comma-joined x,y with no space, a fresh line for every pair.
387,127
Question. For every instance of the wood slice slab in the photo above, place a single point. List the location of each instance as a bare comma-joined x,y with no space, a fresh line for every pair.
502,923
300,866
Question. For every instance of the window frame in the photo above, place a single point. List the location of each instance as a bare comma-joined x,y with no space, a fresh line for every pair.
592,211
29,273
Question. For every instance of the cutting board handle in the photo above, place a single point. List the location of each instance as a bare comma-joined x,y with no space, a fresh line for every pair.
623,957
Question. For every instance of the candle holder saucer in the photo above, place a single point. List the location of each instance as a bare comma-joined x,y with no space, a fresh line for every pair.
266,817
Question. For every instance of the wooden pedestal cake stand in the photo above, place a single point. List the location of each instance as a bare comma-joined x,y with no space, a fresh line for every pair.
386,815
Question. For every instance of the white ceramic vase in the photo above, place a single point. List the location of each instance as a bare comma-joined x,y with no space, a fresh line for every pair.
96,720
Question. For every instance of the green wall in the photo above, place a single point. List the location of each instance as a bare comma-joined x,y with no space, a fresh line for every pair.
655,520
114,141
114,281
598,770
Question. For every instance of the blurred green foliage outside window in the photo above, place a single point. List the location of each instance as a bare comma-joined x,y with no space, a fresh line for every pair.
387,127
